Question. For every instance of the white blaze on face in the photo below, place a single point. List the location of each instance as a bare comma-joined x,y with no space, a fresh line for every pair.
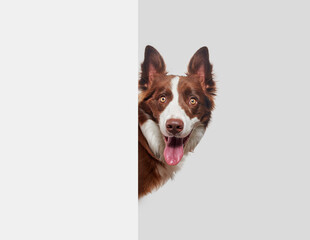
174,110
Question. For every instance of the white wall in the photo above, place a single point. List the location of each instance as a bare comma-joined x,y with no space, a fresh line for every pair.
68,163
249,176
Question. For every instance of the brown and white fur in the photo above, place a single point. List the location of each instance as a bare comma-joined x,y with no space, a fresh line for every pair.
174,112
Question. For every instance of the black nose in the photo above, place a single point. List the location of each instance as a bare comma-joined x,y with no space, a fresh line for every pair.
174,125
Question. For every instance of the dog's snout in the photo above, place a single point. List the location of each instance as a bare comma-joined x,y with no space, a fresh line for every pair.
174,125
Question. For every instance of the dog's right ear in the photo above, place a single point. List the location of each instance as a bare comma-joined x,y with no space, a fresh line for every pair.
200,66
153,64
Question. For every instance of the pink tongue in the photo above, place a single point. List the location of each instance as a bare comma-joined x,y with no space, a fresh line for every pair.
174,150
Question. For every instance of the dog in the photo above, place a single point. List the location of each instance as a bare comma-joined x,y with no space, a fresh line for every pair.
173,114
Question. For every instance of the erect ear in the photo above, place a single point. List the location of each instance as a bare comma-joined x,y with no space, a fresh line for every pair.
153,64
200,66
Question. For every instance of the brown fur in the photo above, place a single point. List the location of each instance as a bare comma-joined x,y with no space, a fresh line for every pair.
149,177
150,100
190,87
154,83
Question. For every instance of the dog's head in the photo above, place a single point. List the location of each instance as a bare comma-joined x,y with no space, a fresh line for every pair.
174,111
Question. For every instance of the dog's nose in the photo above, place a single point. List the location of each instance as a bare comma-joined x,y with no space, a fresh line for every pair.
174,125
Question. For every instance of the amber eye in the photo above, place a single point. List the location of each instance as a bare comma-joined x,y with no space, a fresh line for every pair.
193,101
162,99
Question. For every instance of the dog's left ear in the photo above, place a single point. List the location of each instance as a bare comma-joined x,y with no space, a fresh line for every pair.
200,66
153,64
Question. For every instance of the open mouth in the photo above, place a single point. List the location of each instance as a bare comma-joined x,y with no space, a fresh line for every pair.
174,149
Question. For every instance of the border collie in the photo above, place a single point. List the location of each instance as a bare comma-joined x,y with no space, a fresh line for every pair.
174,112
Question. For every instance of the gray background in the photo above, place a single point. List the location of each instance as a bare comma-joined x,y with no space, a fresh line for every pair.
249,176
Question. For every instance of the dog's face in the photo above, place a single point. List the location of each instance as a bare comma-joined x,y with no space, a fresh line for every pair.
174,111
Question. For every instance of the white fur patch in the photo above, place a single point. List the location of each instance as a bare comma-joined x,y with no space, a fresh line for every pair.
153,137
174,110
195,138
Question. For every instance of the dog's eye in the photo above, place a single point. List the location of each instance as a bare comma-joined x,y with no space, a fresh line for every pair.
193,101
162,99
